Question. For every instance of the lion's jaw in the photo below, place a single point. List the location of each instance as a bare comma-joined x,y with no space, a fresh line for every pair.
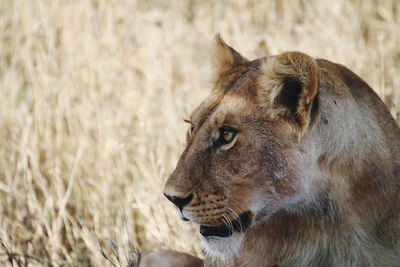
223,248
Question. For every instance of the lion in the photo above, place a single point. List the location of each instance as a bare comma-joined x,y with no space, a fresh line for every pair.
290,161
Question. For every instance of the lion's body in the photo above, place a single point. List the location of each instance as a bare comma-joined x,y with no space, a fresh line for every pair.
315,161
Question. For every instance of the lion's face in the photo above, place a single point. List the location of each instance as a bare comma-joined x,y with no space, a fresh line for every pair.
238,165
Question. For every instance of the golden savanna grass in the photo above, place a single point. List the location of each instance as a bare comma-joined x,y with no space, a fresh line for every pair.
92,97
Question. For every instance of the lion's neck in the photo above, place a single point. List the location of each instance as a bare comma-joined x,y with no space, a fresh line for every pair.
319,236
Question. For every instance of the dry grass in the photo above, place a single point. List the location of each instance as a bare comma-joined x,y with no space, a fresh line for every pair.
92,96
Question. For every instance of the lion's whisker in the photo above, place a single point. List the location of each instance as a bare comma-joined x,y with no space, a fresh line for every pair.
228,222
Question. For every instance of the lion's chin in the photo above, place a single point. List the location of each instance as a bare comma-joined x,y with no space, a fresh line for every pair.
221,247
225,240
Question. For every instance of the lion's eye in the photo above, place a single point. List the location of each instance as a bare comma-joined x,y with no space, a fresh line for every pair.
226,135
191,128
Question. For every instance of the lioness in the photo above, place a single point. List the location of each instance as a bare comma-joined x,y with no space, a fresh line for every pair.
290,161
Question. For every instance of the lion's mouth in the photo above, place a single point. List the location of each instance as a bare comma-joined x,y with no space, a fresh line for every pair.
238,225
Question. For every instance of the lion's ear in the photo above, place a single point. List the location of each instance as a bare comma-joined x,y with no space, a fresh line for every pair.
290,81
225,57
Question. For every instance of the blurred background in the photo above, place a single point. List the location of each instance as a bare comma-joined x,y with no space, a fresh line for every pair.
93,94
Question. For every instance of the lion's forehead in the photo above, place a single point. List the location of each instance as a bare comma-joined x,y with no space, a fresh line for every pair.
237,101
230,111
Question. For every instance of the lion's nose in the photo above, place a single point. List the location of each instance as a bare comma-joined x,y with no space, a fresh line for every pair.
180,202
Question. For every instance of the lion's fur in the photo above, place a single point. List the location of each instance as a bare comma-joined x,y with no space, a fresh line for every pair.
316,160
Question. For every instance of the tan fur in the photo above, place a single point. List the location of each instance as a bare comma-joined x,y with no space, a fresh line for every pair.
225,57
316,160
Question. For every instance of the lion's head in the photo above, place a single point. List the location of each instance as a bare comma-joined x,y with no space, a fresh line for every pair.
238,165
260,145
